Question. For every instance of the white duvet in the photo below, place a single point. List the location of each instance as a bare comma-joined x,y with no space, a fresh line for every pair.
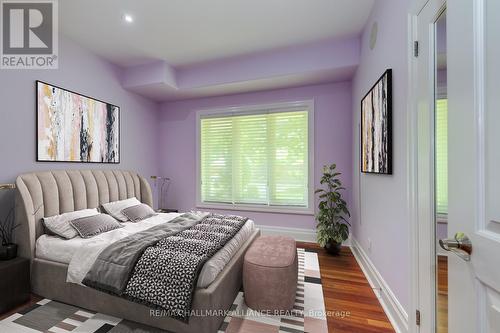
80,253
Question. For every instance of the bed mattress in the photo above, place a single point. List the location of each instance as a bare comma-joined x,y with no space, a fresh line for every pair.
63,251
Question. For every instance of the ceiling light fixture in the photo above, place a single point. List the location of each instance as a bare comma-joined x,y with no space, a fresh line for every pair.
128,18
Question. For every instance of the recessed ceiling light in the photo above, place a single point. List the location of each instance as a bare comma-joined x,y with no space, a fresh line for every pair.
128,18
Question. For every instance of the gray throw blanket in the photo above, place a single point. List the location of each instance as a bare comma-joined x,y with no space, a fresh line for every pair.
159,267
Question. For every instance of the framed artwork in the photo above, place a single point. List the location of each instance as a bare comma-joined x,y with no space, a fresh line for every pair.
75,128
376,127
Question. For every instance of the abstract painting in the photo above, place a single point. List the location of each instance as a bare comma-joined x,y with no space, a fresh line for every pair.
75,128
376,127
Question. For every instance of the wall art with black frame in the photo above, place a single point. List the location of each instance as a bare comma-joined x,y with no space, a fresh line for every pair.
376,127
72,127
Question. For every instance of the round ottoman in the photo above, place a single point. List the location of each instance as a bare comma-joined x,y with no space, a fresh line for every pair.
270,274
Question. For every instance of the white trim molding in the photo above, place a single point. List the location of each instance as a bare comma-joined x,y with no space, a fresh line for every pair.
305,105
420,164
301,235
393,309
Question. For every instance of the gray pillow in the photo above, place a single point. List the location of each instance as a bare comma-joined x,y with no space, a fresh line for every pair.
138,212
115,208
90,226
60,224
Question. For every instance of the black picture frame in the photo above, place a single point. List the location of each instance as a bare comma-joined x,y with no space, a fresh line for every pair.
386,167
37,82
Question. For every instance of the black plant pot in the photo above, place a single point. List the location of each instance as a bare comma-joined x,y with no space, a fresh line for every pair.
8,251
333,248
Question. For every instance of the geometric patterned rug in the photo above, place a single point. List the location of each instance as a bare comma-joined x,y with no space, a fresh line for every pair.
308,314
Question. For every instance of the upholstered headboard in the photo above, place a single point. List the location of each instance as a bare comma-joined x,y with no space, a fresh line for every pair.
48,193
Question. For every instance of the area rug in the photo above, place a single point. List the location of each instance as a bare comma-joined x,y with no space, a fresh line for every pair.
308,314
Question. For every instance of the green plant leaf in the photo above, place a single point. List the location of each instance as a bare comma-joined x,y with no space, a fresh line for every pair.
333,211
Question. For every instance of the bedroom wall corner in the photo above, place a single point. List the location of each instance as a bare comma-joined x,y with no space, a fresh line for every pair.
380,219
333,142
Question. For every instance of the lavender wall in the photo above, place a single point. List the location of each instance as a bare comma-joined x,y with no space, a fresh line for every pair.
82,72
333,136
381,214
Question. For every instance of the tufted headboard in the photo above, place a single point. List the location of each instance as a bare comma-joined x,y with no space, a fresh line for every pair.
48,193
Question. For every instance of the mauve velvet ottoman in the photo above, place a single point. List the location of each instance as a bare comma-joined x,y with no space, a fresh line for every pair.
270,274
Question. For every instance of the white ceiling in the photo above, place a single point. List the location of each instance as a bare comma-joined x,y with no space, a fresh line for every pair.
183,32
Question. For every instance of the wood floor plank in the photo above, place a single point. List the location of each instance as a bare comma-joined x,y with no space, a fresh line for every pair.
346,289
442,296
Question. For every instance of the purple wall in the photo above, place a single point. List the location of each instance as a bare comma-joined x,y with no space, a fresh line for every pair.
329,55
333,136
381,214
80,71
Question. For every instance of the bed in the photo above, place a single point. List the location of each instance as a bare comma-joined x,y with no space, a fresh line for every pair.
49,193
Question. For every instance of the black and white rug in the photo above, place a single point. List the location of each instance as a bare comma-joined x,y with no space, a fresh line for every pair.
308,315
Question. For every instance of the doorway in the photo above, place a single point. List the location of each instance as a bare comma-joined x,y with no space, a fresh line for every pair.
468,213
429,144
441,170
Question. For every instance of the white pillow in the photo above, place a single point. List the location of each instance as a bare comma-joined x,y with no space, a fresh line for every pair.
115,208
60,224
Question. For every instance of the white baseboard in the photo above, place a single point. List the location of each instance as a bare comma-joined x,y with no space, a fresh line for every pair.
393,309
301,235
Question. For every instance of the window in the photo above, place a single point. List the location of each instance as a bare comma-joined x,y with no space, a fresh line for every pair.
442,156
256,158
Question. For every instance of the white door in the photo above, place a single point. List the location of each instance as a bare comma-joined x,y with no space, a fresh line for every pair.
473,63
474,162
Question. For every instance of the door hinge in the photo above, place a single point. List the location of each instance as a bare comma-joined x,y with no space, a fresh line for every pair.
415,48
417,317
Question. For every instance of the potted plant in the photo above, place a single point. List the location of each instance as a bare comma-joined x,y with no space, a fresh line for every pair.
333,226
8,250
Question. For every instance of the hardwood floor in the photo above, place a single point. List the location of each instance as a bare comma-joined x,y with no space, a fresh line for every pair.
33,299
442,297
346,290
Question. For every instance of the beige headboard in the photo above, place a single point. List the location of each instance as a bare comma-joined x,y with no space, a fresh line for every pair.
48,193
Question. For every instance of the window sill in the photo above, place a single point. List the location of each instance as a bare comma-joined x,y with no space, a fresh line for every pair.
251,208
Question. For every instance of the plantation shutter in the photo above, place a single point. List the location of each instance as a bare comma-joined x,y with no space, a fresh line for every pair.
288,141
257,159
442,156
250,159
216,157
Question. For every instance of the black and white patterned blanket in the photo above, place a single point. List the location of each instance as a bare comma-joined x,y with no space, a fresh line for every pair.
165,274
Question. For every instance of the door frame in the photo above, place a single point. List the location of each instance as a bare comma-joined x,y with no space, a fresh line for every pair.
422,236
411,151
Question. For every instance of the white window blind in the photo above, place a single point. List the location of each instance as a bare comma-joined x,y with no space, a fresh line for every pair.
255,159
442,156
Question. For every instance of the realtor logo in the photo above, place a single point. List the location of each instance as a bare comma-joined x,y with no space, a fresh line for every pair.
29,34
